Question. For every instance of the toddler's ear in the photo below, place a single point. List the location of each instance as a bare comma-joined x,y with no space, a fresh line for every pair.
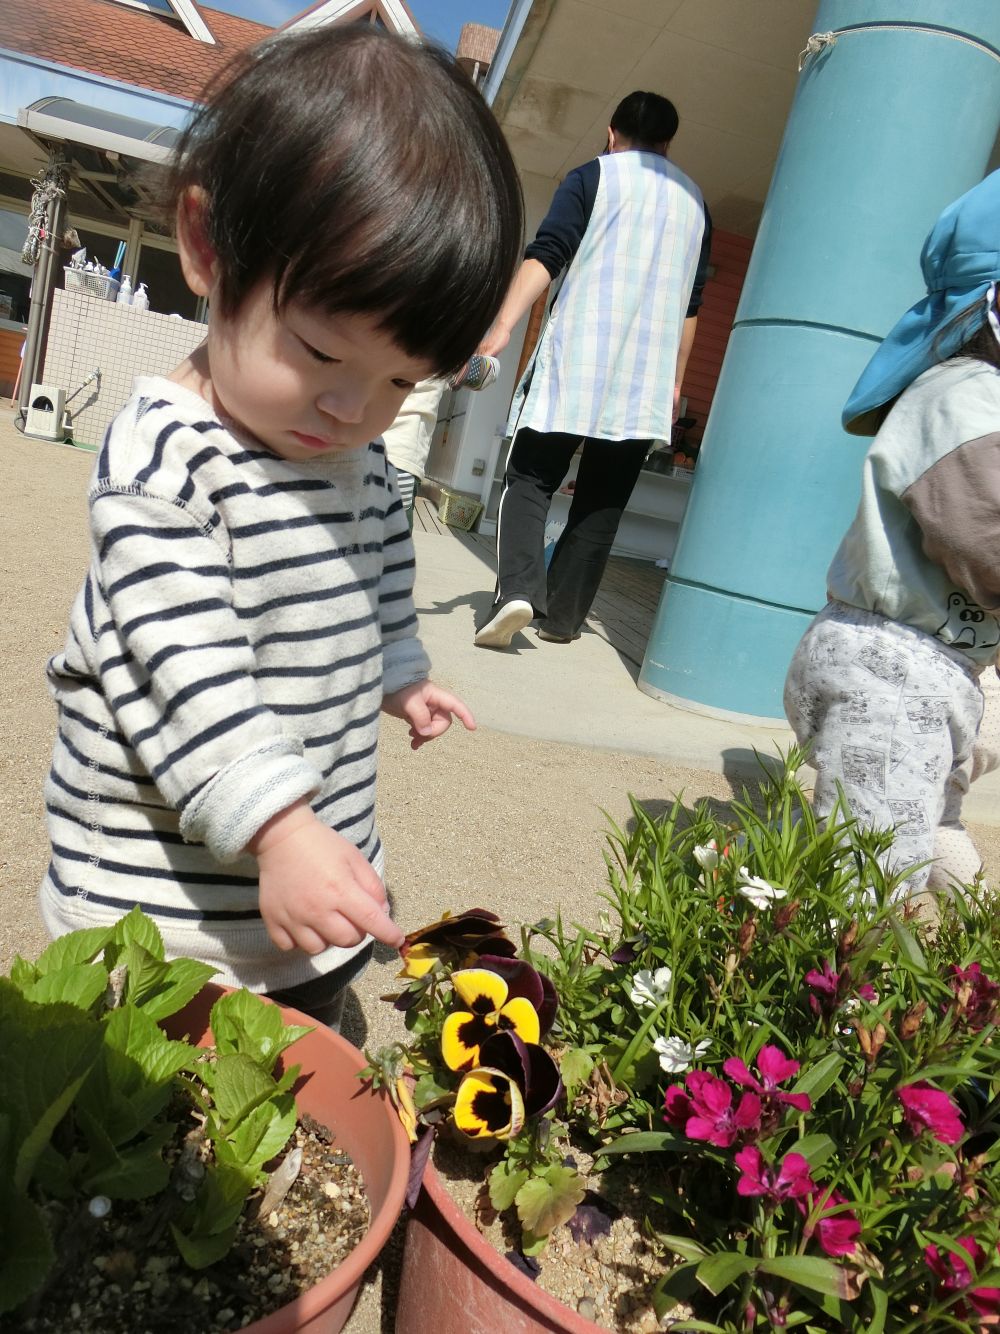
199,262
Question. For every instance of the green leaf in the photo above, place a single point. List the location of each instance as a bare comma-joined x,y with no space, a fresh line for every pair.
243,1023
815,1149
22,973
880,1301
428,1090
806,1271
261,1135
138,929
201,1250
179,983
679,1285
686,1246
239,1086
718,1270
80,984
77,947
27,1254
505,1181
646,1141
907,943
819,1077
133,1173
134,1079
46,1053
548,1199
575,1068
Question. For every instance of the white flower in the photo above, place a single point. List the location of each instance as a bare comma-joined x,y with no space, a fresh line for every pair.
758,891
650,989
676,1055
707,855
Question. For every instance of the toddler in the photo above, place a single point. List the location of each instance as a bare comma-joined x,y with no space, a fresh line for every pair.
347,204
885,685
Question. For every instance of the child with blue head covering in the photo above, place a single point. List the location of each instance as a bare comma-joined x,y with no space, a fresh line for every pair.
886,684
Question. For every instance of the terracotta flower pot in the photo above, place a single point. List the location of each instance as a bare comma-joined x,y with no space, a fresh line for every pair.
454,1282
366,1127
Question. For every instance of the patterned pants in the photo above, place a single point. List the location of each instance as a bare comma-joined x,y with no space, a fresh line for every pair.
893,716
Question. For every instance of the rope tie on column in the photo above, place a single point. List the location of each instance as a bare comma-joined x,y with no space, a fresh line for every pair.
819,41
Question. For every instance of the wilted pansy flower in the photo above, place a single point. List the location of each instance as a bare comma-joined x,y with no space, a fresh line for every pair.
515,1080
457,939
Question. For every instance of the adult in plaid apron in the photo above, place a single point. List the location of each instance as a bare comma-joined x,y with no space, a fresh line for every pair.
630,230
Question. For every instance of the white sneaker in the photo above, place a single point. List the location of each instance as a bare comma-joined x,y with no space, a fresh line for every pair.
504,623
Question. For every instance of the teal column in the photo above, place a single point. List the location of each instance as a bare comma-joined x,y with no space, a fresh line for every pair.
893,118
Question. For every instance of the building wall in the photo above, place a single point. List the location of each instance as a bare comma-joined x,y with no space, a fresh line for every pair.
730,257
88,334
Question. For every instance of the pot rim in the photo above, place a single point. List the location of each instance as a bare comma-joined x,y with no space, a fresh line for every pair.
529,1293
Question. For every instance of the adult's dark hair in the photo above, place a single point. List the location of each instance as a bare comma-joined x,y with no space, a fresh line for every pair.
646,119
360,172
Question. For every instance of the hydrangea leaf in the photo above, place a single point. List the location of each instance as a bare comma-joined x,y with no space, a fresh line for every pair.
548,1199
260,1136
243,1023
27,1253
76,947
240,1085
180,983
79,984
133,1173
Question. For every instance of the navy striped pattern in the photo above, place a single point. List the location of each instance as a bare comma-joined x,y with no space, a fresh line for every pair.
227,655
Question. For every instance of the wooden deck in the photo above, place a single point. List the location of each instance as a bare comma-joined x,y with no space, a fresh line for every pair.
624,608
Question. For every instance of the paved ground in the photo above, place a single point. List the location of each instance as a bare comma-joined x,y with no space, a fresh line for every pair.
508,817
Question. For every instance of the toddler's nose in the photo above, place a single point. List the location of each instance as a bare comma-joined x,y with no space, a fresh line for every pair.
346,405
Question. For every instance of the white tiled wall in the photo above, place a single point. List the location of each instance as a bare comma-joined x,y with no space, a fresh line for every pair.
86,333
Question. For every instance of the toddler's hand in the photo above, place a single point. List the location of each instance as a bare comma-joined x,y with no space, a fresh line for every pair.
316,889
428,709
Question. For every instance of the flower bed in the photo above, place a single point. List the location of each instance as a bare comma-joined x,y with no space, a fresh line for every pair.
806,1066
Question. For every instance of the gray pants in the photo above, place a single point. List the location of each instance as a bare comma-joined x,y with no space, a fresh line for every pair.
892,715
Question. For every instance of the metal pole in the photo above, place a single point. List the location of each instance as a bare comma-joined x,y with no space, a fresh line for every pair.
44,279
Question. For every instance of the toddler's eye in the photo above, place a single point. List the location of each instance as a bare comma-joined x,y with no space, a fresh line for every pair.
405,384
316,355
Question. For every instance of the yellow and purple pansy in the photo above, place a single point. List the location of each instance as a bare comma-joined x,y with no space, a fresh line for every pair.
457,939
499,995
515,1080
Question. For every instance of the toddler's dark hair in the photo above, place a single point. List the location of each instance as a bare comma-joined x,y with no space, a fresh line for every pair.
646,119
361,172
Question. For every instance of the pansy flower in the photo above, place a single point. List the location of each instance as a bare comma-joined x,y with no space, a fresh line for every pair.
457,939
491,1005
514,1081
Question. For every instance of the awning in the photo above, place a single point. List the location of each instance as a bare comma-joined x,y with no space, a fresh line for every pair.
106,152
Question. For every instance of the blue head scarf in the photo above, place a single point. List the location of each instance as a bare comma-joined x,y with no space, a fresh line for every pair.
961,264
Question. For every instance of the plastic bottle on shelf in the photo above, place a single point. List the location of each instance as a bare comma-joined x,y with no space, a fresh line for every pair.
140,301
124,297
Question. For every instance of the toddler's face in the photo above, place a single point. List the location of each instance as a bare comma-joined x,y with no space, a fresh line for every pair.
305,383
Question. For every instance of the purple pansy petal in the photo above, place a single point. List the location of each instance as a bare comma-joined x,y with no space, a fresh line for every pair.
419,1154
527,1264
544,1086
593,1218
504,1051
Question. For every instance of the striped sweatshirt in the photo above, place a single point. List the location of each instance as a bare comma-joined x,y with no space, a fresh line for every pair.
226,656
